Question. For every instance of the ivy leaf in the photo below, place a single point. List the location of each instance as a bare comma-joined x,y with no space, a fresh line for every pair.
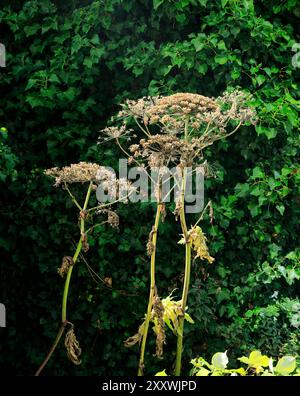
157,3
258,173
223,3
281,209
221,59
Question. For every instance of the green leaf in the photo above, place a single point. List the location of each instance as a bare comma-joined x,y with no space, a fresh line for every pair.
31,29
260,79
258,173
198,43
202,69
221,59
222,45
188,318
223,3
88,62
157,3
270,133
53,78
281,209
95,39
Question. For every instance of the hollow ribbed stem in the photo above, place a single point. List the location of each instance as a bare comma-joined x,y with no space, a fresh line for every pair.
187,271
75,257
152,290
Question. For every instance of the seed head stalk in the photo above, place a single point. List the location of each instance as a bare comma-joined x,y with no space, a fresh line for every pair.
187,271
152,288
64,320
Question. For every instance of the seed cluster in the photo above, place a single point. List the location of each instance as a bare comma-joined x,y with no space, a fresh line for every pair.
163,150
112,217
171,112
82,172
137,108
114,132
174,109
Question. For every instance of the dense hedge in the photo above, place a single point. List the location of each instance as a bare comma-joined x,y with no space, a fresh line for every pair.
68,66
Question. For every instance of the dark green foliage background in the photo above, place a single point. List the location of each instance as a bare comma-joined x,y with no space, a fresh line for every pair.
69,63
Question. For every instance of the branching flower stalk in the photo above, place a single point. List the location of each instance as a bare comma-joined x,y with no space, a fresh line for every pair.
64,321
117,133
92,174
201,121
187,270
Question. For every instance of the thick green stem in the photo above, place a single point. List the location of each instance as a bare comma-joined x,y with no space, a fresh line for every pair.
187,271
183,305
152,291
75,257
67,284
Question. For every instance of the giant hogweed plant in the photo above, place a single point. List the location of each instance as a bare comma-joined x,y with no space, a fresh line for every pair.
90,176
176,128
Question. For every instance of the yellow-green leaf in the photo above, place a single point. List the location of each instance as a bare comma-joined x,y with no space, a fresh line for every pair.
203,372
285,365
161,374
188,318
256,359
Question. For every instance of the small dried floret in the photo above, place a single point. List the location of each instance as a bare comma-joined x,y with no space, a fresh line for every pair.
113,132
112,218
137,108
66,263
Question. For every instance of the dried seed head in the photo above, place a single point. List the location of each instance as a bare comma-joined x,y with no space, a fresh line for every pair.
174,108
162,150
112,218
115,132
82,172
207,117
137,108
